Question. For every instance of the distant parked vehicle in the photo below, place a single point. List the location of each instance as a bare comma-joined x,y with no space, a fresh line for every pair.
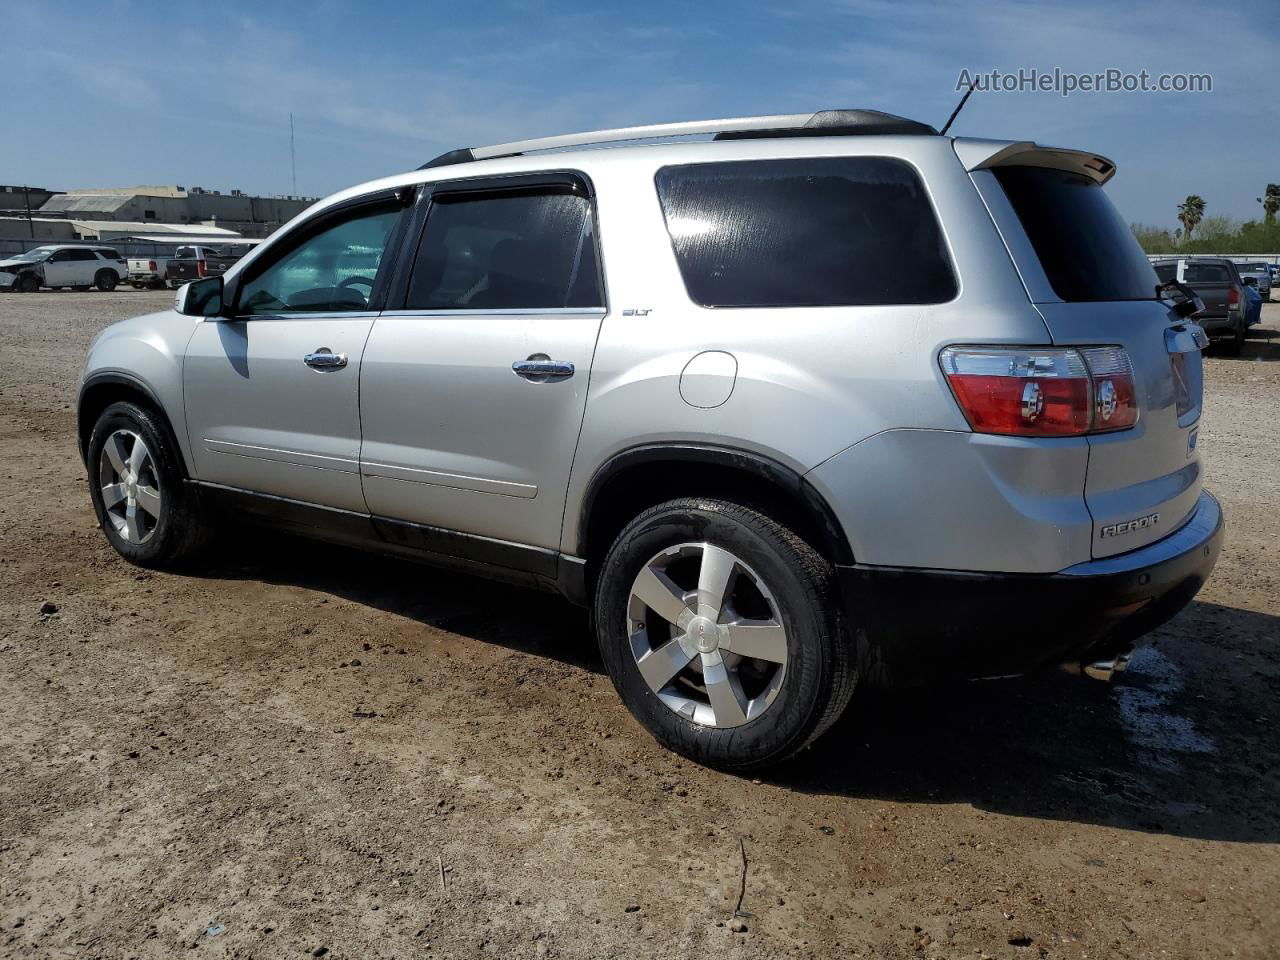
1216,281
150,272
200,260
78,267
1252,305
1261,272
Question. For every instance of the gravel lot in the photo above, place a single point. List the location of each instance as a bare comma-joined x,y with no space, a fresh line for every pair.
308,748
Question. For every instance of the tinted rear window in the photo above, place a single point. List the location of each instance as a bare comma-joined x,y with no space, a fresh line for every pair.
1166,271
1206,273
827,231
1086,249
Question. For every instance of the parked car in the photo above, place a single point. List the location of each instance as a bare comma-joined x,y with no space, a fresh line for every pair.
57,265
793,415
1252,305
149,272
193,262
1216,282
1261,273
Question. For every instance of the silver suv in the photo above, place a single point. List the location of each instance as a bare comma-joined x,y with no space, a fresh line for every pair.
822,402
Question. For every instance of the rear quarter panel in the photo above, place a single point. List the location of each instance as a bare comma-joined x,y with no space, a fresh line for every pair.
810,382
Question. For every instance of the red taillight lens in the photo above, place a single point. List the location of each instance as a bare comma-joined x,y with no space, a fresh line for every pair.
200,268
151,264
1115,406
1037,392
1233,296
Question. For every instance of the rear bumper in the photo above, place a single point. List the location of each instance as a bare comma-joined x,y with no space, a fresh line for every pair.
916,625
1218,326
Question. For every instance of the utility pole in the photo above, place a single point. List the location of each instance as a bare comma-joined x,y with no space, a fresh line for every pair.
293,157
26,199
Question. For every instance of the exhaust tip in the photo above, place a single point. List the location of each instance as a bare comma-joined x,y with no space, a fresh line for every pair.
1102,670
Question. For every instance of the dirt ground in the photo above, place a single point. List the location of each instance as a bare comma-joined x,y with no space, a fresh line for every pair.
309,750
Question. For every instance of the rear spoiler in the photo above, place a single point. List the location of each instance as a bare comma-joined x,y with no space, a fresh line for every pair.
978,154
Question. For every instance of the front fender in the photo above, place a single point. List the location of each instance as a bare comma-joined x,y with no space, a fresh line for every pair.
143,355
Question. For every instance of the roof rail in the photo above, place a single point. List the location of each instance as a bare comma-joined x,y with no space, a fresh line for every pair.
824,123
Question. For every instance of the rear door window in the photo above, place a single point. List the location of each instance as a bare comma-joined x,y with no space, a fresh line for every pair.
525,249
1086,248
1166,272
814,232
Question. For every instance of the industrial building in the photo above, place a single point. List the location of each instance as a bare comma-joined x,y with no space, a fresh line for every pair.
147,206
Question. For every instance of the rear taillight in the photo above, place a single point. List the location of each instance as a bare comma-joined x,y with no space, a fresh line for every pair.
1115,405
1233,296
1039,392
200,268
151,264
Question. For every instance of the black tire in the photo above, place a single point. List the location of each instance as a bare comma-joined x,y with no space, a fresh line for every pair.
819,678
106,280
28,283
180,532
1233,346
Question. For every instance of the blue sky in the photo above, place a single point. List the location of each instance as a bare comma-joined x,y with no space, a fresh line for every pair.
109,94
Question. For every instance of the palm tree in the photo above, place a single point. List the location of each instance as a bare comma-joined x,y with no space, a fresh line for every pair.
1270,203
1190,212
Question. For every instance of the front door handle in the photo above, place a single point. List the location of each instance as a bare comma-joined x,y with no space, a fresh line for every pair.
540,368
325,359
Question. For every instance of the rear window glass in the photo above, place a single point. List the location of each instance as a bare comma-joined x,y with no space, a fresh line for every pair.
1166,271
1086,249
185,252
1206,273
826,231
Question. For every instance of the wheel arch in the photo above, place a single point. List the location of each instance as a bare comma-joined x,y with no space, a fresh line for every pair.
640,477
101,390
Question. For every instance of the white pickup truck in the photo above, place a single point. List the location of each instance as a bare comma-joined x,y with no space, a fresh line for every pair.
150,272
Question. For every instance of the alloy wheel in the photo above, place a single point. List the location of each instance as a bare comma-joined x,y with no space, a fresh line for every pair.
130,486
707,635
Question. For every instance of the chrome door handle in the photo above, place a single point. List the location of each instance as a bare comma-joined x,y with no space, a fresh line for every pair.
325,359
540,368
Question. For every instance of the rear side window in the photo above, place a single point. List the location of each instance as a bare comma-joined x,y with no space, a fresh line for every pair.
1086,249
80,254
815,232
1167,271
521,250
108,254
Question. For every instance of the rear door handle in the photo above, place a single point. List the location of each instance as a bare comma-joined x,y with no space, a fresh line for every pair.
325,359
540,368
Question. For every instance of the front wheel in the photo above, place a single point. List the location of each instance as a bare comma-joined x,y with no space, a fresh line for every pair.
106,280
149,515
28,283
721,630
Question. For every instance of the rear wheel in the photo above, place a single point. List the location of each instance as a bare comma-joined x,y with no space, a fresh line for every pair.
106,280
1233,345
721,631
149,515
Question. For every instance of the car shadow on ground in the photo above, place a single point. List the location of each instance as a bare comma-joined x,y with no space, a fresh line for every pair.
1260,344
1180,744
